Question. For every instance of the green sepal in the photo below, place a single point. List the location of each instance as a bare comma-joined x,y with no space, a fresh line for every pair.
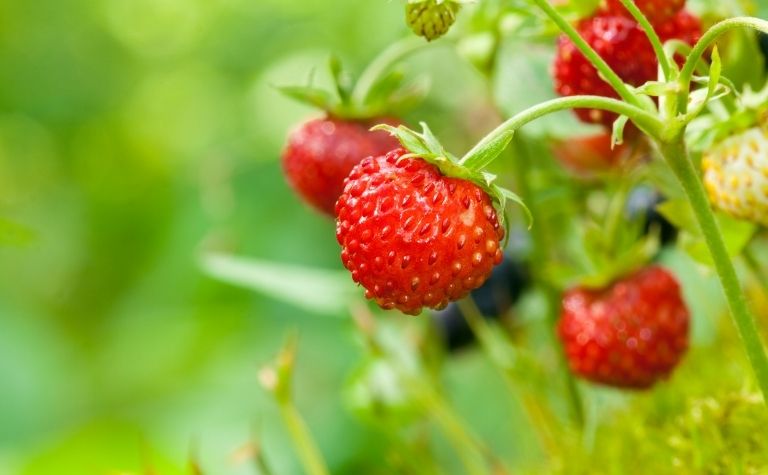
341,80
311,95
392,93
656,88
427,147
617,134
387,92
482,156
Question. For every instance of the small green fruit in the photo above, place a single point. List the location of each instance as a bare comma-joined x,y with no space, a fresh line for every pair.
431,18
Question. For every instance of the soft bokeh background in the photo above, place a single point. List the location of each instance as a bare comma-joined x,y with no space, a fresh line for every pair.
133,135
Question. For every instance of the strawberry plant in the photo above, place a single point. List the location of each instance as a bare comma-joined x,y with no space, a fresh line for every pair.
665,153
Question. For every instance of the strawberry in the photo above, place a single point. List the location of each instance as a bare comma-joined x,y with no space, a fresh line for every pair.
321,153
683,26
657,11
431,18
413,237
630,334
736,175
624,46
621,43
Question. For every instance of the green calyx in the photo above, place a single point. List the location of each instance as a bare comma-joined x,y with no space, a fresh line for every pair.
427,147
612,243
380,89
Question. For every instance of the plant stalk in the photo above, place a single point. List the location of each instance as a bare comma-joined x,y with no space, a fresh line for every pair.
676,155
602,67
653,37
386,60
644,120
707,40
468,448
308,452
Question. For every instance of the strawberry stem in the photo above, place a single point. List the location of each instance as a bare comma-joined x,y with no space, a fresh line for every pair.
658,48
605,70
489,148
276,379
676,155
396,52
468,448
707,40
541,416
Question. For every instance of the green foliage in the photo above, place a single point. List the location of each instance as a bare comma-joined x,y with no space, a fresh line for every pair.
138,136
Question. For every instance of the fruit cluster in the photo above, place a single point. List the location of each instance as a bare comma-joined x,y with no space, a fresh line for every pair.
419,228
621,42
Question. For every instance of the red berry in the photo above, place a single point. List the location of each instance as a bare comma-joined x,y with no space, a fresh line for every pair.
621,43
630,334
413,237
624,46
683,26
321,153
657,11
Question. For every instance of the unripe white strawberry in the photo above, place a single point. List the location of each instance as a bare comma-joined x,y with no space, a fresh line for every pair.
736,175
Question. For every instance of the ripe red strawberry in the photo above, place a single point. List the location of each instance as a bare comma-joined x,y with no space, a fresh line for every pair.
630,334
321,153
624,46
621,43
683,26
657,11
414,237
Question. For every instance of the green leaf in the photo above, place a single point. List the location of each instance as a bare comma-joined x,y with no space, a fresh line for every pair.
320,291
341,80
482,156
617,136
506,194
655,88
680,214
411,141
310,95
736,235
431,141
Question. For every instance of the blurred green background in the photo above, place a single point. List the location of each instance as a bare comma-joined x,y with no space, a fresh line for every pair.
133,135
133,132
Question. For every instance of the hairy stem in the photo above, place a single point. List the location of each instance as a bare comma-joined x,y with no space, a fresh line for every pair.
468,448
677,157
309,454
540,416
707,40
603,68
386,60
644,120
658,48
